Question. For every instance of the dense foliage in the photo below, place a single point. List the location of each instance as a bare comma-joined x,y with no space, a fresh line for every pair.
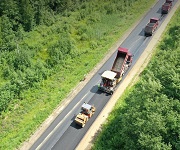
150,119
21,61
41,44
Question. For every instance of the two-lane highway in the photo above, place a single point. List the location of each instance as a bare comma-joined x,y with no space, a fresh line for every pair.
63,134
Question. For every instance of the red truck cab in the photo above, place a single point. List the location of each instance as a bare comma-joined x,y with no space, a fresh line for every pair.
151,26
166,7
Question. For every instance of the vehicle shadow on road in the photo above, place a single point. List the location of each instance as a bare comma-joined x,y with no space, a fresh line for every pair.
74,125
142,32
94,89
159,11
100,73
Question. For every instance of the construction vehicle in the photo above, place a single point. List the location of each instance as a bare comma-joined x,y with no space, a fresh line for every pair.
151,26
110,79
87,111
166,6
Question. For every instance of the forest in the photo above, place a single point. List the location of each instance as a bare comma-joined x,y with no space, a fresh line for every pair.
148,114
41,44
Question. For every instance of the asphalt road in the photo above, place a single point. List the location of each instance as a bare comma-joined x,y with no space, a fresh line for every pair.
63,133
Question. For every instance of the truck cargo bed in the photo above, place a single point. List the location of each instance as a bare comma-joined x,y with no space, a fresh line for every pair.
151,24
119,62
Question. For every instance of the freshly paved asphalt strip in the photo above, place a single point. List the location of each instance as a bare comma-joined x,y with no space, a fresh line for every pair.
63,134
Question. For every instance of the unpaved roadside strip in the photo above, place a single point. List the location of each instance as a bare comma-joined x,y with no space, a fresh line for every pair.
28,143
142,62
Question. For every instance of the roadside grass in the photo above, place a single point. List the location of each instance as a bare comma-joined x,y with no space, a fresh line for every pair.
146,116
23,117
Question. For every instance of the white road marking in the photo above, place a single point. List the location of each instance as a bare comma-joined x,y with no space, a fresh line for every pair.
57,126
137,50
134,42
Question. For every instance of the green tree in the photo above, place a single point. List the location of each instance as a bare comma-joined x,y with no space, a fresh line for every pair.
7,34
27,14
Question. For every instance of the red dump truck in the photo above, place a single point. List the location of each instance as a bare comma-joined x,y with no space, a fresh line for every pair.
110,79
151,26
166,6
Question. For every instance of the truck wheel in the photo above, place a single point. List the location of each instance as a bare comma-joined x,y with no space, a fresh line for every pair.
111,93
